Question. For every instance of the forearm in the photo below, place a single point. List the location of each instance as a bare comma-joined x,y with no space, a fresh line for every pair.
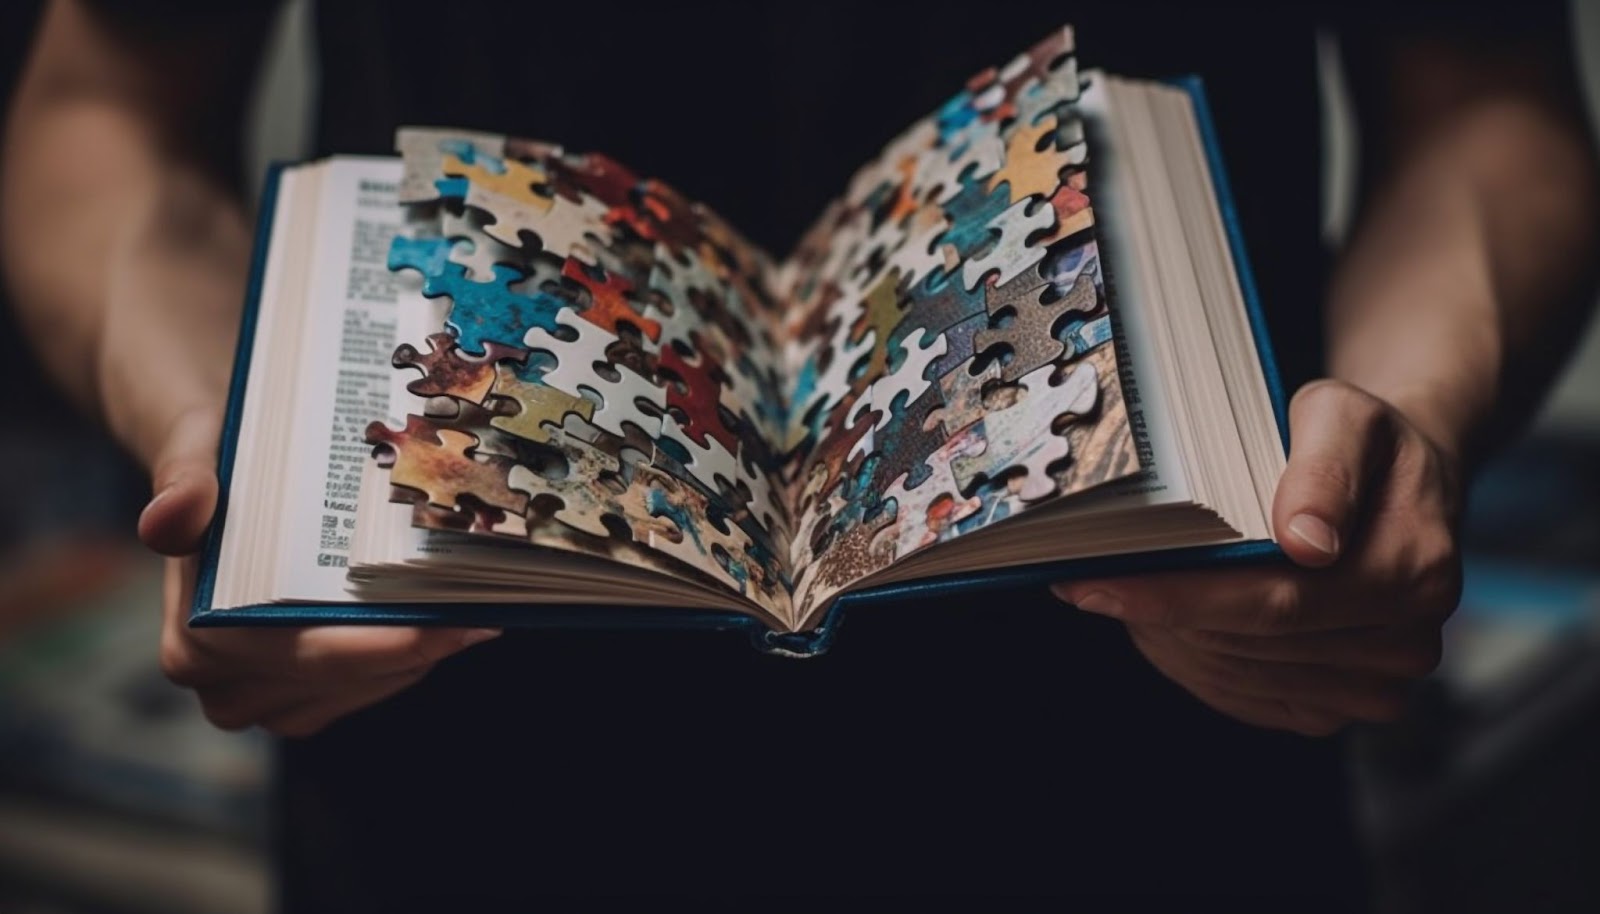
108,149
1470,273
81,180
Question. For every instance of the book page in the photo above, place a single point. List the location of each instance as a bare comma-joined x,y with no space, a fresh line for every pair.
343,384
399,532
1161,479
950,333
602,375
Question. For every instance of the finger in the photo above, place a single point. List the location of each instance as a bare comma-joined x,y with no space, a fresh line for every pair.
1340,437
1256,601
241,704
184,480
327,654
310,717
1272,714
1404,653
1349,693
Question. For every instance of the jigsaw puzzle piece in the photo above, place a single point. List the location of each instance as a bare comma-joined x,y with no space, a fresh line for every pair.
689,533
963,393
607,296
428,255
423,150
1049,66
1083,338
928,512
1063,265
447,372
1031,335
489,312
900,447
473,419
844,440
476,250
693,389
539,408
1013,251
856,551
507,190
909,380
435,462
575,372
817,392
1024,435
1031,171
1074,213
584,481
970,212
473,518
705,462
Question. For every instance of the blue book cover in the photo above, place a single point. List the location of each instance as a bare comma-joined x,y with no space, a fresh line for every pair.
803,643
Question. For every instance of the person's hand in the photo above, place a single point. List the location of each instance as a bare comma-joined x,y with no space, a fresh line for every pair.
1366,509
177,280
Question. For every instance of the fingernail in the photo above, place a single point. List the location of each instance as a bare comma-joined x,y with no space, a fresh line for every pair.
1315,532
1100,603
156,498
478,635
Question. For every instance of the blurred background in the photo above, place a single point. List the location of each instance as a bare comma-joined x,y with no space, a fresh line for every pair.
117,796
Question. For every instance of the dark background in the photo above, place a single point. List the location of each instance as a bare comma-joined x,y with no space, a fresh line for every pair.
116,796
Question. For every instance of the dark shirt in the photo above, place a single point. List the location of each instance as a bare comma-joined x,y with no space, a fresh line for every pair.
1000,744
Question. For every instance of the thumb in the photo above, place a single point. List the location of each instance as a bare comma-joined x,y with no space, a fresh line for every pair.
184,479
1338,436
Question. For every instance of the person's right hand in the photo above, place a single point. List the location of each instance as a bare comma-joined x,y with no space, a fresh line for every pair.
166,349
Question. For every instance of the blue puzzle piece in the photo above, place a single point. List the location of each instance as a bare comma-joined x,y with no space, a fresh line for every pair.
904,443
469,155
452,188
970,212
939,303
483,312
428,256
954,115
1086,337
662,506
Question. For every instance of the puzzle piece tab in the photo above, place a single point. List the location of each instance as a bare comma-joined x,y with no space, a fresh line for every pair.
1031,336
1023,435
435,463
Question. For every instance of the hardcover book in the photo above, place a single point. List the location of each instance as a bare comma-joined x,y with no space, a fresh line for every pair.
496,382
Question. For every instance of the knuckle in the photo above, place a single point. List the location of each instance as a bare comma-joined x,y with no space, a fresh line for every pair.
1436,575
1281,608
1350,403
1320,392
178,662
1329,476
1420,658
225,715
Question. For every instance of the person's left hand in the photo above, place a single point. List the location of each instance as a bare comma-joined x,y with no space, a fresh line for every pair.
1366,509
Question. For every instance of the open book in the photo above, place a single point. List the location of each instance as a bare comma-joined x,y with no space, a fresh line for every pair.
497,382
